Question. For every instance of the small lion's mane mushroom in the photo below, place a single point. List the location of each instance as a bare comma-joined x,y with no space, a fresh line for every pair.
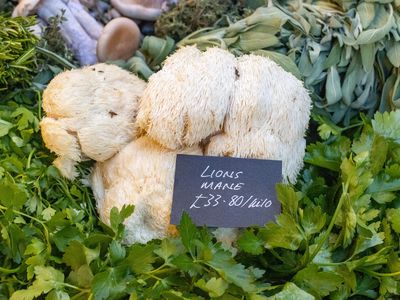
119,39
148,10
90,113
195,106
79,29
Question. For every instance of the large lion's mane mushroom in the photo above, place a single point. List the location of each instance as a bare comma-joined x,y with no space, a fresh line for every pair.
90,113
79,29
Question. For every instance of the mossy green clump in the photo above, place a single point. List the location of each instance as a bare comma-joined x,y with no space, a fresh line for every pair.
17,51
190,15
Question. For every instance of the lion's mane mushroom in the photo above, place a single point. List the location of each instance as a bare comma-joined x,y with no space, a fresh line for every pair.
119,39
79,29
141,174
148,10
90,112
267,117
185,103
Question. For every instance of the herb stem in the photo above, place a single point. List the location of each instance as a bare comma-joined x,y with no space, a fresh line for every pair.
55,57
28,162
39,97
155,277
156,270
276,255
77,296
352,126
74,287
9,271
377,274
330,264
332,223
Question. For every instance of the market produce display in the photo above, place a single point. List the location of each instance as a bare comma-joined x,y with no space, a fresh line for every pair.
338,234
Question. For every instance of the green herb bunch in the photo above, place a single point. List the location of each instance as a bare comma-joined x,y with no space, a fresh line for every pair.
347,53
17,52
338,234
188,16
53,41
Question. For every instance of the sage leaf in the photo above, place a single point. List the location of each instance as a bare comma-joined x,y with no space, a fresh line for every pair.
263,14
393,53
366,12
250,41
385,102
333,57
284,61
396,93
366,93
317,74
351,79
333,89
374,35
305,65
368,56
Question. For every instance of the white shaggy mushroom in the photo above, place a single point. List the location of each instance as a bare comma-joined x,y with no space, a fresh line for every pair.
187,100
267,117
141,174
90,112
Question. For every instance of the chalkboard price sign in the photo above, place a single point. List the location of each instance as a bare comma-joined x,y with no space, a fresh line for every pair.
225,191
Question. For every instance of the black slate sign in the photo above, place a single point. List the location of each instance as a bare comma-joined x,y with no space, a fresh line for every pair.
225,191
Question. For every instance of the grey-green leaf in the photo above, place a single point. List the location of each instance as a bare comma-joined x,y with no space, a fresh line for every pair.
374,35
250,41
368,56
333,87
366,12
393,53
284,61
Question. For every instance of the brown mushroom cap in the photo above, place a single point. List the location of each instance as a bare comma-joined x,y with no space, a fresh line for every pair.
148,10
119,40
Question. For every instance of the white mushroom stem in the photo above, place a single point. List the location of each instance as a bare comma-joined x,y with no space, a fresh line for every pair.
89,24
38,28
88,3
83,46
136,10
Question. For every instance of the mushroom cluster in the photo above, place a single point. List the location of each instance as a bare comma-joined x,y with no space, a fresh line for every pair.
203,103
89,41
79,29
